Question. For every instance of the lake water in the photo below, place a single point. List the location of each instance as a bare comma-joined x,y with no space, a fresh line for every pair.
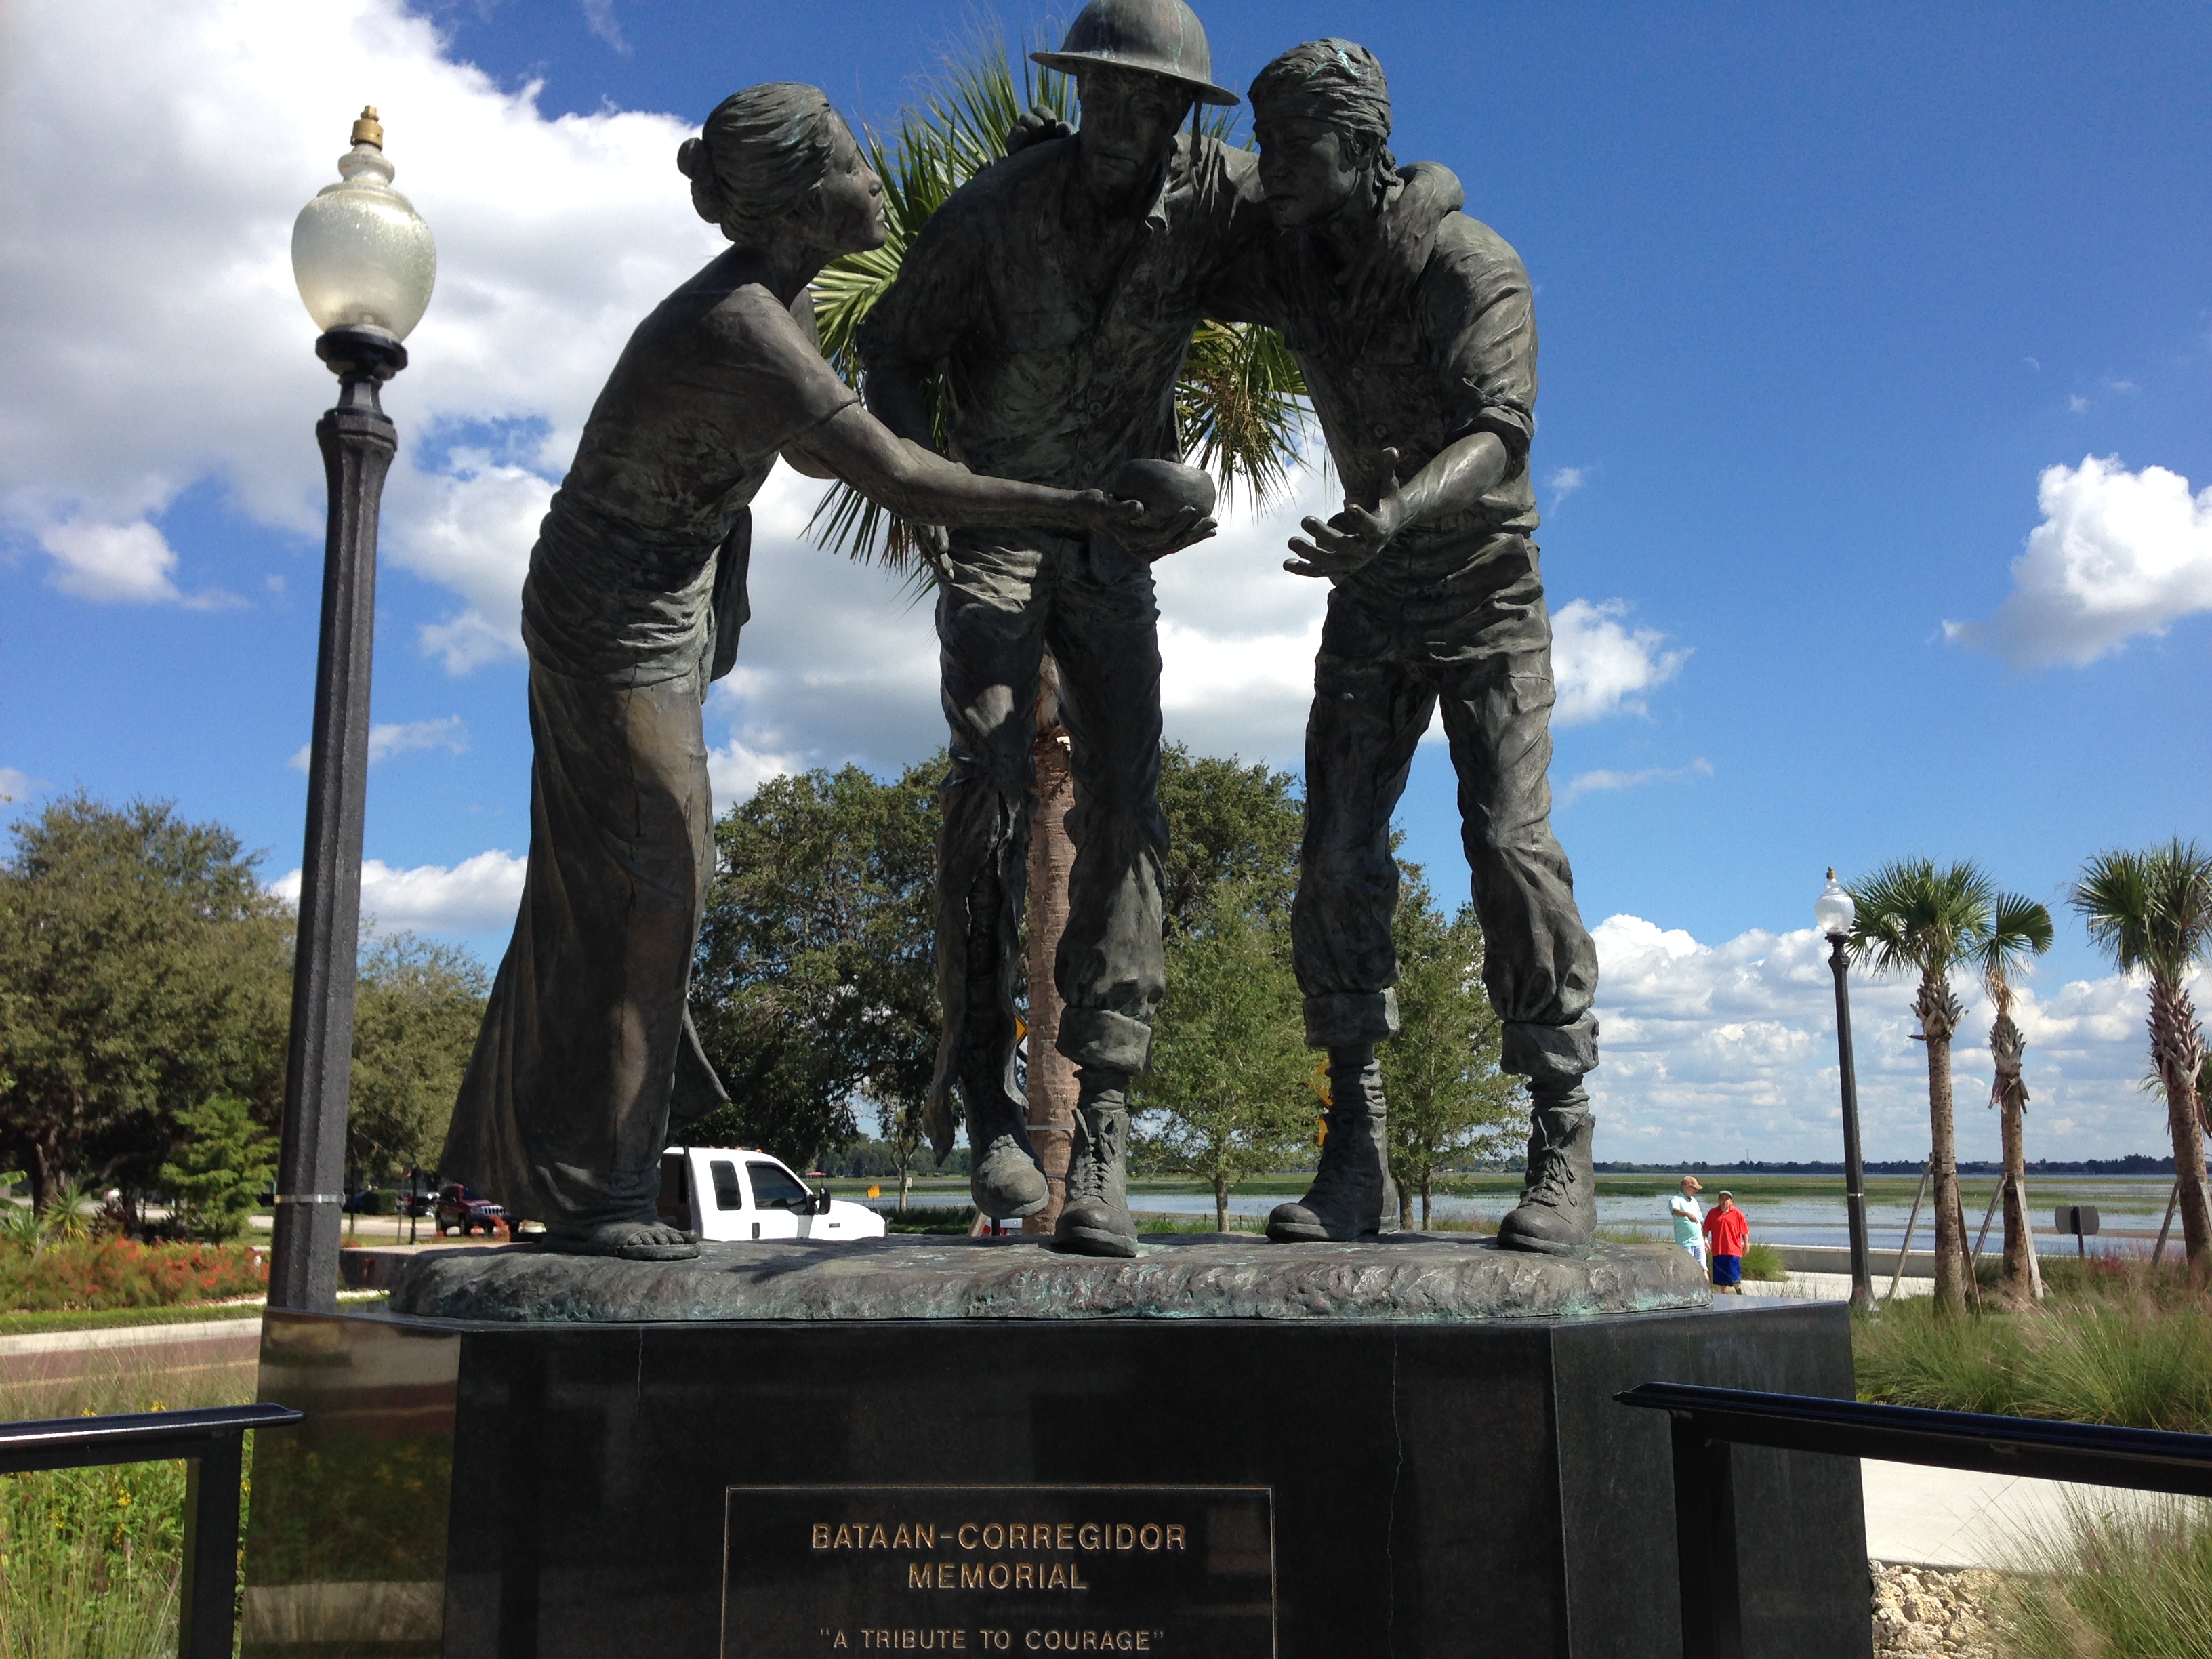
2129,1209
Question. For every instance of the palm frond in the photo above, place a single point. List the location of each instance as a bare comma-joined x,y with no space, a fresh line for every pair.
2151,911
1914,917
2020,927
1241,408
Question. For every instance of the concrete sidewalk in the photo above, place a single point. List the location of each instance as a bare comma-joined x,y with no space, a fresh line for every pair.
1959,1518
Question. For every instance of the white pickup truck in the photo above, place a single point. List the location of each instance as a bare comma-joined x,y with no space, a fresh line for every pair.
733,1193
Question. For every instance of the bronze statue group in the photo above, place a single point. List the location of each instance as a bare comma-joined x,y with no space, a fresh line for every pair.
1057,294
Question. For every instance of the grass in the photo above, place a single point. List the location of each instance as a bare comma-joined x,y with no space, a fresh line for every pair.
88,1557
2132,1583
2117,1340
1764,1261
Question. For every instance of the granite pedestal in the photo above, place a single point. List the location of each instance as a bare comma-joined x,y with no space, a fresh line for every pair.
1222,1448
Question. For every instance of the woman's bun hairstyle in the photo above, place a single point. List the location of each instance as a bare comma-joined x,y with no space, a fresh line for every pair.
762,153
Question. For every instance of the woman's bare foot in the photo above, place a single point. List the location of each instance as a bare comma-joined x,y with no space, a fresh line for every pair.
649,1239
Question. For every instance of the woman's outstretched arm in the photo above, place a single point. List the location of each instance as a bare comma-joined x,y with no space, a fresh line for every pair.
926,488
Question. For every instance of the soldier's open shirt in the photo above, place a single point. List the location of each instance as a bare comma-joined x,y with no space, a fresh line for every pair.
1062,327
1432,346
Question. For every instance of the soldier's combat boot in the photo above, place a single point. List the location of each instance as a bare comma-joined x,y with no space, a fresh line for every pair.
1558,1211
1094,1221
1007,1182
1352,1196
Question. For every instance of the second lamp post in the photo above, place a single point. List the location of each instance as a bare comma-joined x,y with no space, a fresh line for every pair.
1833,913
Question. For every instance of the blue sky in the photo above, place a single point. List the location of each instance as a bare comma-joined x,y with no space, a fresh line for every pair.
1825,294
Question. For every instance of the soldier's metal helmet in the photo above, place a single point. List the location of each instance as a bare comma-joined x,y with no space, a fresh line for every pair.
1157,37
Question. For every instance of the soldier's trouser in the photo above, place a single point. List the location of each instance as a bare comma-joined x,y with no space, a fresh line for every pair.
1461,622
1012,595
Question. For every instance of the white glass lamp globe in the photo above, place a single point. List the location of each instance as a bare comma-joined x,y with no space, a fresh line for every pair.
362,255
1833,912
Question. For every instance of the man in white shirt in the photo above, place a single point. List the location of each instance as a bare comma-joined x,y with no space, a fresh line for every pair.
1689,1220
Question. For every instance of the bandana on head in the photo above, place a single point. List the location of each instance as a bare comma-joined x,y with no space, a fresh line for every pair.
1337,82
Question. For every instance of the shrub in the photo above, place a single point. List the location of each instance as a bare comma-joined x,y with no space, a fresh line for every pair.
119,1272
1764,1261
222,1163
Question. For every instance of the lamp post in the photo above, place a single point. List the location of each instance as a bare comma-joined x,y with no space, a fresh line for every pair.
1833,913
365,263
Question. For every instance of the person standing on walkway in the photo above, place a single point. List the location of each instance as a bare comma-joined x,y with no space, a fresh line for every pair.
1689,1219
1726,1234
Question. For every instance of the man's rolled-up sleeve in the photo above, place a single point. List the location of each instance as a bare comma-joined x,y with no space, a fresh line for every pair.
1481,325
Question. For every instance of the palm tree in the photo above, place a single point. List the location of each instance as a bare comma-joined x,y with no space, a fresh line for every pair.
2020,927
1913,917
1241,412
2152,912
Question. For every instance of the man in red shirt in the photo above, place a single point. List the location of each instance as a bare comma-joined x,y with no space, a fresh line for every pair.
1726,1233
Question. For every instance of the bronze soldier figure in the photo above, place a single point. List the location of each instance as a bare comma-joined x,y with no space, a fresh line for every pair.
634,598
1417,340
1059,290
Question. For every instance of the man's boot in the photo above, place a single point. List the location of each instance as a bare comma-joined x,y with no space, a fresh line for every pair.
1005,1180
1352,1196
1558,1211
1095,1220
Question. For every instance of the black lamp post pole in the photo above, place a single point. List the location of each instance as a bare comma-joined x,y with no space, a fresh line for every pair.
358,442
1854,1165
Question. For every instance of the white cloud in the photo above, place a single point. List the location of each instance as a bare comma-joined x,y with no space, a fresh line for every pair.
1603,667
554,238
1564,482
1712,1048
599,16
449,733
1238,632
15,785
2117,554
1605,779
471,530
477,895
114,561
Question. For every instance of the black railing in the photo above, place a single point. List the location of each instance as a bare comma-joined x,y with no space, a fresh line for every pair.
1710,1423
212,1444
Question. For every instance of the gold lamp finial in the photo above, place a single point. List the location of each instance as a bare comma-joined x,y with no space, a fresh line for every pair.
368,129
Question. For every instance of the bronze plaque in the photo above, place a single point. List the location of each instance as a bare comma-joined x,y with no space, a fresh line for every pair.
1187,1571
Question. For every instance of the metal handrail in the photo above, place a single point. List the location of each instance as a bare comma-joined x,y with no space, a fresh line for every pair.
1708,1424
211,1442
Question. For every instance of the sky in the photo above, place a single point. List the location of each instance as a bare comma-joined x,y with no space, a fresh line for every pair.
1875,452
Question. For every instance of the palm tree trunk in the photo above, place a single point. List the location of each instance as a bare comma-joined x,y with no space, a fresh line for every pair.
2021,1282
1051,1085
1936,1007
2177,1048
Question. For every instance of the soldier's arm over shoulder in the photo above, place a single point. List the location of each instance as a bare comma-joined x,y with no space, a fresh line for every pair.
1480,320
1237,289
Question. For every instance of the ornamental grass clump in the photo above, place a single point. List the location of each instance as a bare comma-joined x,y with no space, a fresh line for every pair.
2119,1341
2134,1581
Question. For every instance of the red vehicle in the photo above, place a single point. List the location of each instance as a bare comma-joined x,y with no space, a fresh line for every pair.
464,1209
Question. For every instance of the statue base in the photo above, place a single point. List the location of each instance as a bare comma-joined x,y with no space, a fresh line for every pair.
1221,1448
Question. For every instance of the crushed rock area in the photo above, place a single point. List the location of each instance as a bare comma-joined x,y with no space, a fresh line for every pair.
1926,1610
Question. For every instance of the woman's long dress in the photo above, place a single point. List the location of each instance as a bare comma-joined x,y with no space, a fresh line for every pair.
635,591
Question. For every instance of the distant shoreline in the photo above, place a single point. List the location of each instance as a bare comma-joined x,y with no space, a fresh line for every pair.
2093,1166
